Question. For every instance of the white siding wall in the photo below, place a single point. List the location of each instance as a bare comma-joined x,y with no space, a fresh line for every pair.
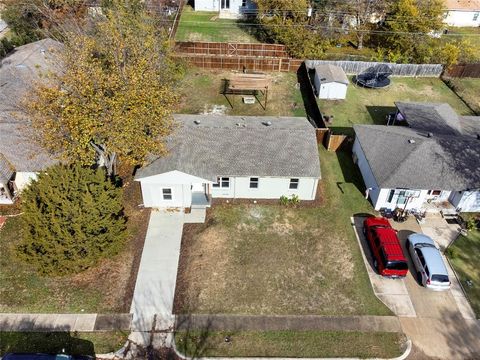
268,188
153,195
462,18
333,91
466,201
413,203
22,179
367,174
214,5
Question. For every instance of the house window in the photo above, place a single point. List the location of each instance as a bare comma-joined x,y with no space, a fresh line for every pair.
253,183
293,184
434,192
244,3
475,16
222,182
390,196
167,194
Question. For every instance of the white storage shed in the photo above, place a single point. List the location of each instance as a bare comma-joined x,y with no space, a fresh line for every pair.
330,82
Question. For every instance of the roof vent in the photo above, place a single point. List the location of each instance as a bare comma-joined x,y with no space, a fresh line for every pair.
197,122
267,123
429,134
411,141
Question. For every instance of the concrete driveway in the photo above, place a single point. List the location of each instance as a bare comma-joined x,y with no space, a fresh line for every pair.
438,328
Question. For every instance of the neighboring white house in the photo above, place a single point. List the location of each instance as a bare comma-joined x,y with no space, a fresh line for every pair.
462,13
330,82
233,157
226,8
433,164
20,158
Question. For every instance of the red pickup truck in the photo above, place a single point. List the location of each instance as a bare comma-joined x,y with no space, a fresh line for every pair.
388,257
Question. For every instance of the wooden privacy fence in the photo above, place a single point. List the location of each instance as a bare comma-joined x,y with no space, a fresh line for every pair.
241,62
356,67
465,70
231,49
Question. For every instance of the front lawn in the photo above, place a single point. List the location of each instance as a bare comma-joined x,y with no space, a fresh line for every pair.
201,92
466,263
327,344
76,343
369,106
269,259
206,26
107,287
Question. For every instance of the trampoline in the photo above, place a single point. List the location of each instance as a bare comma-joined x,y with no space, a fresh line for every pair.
375,77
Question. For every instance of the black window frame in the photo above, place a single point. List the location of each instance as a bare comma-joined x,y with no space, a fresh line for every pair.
221,181
293,185
390,196
254,182
167,192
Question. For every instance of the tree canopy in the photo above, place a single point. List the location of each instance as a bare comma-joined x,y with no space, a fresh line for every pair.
73,217
114,93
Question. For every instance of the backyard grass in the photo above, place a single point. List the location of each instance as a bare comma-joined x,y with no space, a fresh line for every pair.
206,26
201,92
467,265
327,344
269,259
105,288
80,343
468,89
369,106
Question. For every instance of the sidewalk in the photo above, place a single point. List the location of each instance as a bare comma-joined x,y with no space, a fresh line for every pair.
288,322
64,322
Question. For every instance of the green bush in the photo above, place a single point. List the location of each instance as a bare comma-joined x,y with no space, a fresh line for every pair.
73,217
284,200
471,224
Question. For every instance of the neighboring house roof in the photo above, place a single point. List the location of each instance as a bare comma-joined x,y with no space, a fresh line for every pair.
331,73
463,5
437,118
6,170
446,162
208,146
18,71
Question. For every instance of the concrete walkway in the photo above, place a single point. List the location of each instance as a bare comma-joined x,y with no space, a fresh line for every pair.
64,322
289,322
157,274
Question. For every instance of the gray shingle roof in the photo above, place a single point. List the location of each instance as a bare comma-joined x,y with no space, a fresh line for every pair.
438,118
18,71
447,162
331,73
6,170
239,146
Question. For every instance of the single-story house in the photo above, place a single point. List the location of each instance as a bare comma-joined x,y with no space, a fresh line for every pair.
431,164
20,157
227,8
233,157
462,13
330,82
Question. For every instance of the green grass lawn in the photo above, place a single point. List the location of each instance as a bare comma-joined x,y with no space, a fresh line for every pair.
468,89
101,289
269,259
201,92
467,265
206,26
52,343
369,106
326,344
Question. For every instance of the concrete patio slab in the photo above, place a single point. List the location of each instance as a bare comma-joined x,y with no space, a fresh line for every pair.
85,322
65,322
45,322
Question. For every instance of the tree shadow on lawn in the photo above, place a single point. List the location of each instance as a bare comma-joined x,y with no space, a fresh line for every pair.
45,342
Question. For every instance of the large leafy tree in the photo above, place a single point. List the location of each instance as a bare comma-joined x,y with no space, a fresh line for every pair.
114,97
32,20
73,217
286,22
